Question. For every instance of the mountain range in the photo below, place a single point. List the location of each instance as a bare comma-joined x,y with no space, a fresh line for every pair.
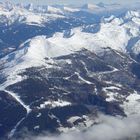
63,66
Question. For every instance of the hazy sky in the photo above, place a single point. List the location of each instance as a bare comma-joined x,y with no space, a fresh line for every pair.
71,1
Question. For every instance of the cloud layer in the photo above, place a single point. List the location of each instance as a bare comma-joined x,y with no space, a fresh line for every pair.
110,128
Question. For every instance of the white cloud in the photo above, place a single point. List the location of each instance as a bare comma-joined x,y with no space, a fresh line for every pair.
110,128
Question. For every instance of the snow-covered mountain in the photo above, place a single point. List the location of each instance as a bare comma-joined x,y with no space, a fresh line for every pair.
41,14
79,60
113,32
21,15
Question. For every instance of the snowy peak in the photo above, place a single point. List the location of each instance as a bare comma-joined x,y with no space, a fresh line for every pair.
28,15
54,10
91,6
132,14
31,53
36,49
102,7
69,9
